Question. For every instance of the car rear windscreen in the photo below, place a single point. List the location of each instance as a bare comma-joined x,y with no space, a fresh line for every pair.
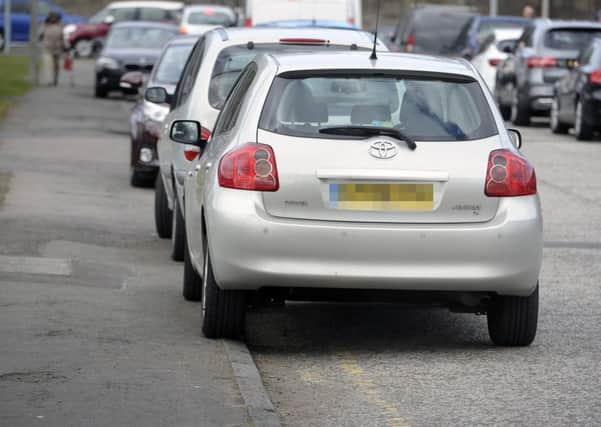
138,37
232,60
570,38
211,17
435,32
426,108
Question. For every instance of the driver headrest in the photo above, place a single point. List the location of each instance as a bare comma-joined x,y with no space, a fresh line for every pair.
367,114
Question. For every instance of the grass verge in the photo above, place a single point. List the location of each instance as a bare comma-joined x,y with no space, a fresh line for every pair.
14,70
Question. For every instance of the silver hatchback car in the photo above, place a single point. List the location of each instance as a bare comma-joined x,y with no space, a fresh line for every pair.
335,176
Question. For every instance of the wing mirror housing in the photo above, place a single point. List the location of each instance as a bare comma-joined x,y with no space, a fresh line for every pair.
187,132
131,82
157,95
516,138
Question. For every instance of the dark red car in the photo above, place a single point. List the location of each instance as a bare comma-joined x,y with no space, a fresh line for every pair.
88,38
147,118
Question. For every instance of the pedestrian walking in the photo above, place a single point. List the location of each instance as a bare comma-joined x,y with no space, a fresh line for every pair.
52,40
528,11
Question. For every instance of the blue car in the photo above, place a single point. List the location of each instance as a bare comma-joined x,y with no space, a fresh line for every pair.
20,18
478,28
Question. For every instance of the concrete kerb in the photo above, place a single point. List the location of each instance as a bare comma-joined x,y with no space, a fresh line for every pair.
259,406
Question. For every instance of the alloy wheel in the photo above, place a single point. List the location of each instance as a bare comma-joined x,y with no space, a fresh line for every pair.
84,48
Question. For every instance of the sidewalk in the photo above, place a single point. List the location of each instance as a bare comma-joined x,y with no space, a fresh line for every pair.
93,327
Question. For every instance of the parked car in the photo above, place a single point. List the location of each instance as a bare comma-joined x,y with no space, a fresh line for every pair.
430,29
199,19
130,46
88,38
479,28
525,80
20,18
577,95
213,67
147,118
262,11
493,51
334,176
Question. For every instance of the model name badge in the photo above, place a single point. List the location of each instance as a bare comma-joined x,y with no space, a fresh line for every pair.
466,207
296,203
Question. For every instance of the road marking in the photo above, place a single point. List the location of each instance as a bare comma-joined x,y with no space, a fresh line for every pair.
35,265
370,390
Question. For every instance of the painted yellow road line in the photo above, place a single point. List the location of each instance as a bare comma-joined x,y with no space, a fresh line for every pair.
368,388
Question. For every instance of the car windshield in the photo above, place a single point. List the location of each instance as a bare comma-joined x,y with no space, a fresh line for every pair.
169,69
138,37
210,16
425,108
232,60
570,39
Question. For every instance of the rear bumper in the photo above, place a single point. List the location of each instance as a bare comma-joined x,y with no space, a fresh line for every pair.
540,97
250,250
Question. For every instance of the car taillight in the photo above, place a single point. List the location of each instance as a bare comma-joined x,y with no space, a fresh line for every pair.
183,29
509,174
192,151
541,62
250,167
248,22
410,42
494,62
351,21
595,76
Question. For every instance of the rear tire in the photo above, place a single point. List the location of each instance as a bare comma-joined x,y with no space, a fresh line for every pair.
582,130
192,289
100,92
512,321
140,179
556,125
505,112
163,216
223,311
84,48
520,113
178,232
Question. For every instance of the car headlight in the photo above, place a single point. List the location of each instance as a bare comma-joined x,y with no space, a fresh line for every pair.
106,63
68,30
155,112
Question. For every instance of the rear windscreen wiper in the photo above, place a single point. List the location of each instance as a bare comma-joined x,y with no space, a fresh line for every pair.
370,131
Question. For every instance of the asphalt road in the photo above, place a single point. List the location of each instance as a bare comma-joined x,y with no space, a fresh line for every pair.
385,365
94,330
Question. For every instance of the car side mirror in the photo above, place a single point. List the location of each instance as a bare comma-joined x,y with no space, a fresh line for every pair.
131,82
187,132
109,19
516,138
157,95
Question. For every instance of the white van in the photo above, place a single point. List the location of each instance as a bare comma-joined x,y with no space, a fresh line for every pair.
266,11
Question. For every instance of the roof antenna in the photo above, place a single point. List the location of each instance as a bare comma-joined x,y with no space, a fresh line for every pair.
373,52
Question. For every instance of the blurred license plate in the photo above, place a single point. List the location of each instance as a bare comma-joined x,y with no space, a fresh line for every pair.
382,197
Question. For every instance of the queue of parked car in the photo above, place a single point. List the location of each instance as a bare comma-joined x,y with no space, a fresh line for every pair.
300,160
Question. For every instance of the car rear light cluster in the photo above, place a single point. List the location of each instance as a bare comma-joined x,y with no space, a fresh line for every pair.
248,22
494,62
509,174
250,167
595,76
192,151
541,62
